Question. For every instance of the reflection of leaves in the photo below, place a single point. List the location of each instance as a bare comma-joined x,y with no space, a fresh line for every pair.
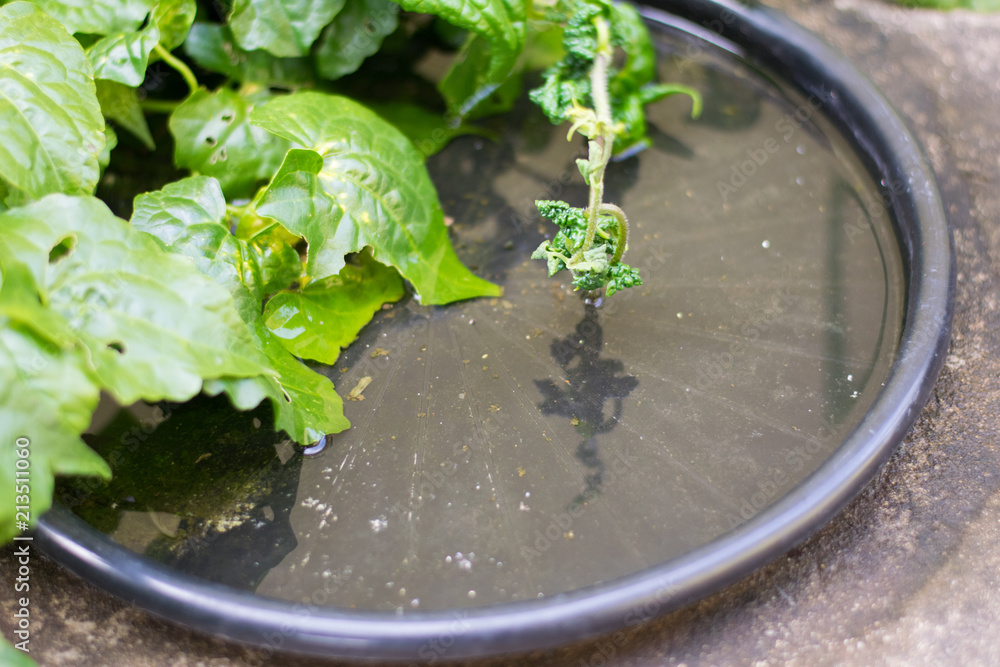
591,381
358,181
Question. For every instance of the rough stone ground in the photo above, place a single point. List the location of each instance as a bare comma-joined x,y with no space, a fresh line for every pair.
907,574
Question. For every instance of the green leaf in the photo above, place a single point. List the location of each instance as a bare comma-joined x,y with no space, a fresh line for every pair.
174,19
355,33
428,131
110,141
464,81
286,28
11,656
123,56
47,397
188,217
360,182
131,304
317,321
50,120
97,17
213,136
306,406
120,104
500,25
212,47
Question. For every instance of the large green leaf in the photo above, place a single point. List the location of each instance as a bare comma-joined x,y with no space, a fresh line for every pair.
50,120
213,136
189,218
212,46
123,56
355,33
131,304
501,26
358,181
317,321
120,104
285,28
97,17
47,397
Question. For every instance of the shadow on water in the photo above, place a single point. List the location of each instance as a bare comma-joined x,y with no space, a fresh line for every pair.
590,382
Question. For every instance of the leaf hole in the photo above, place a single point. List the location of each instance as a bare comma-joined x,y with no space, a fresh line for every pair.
227,117
117,346
211,141
62,250
288,399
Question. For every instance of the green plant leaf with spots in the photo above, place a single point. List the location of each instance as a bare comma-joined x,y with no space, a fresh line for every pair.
357,181
50,120
189,217
327,315
213,136
131,304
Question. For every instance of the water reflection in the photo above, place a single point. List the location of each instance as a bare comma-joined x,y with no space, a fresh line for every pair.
198,487
590,382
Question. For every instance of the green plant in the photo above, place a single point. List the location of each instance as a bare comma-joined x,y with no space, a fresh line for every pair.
603,105
304,212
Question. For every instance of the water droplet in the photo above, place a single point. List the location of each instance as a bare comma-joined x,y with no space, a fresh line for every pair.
765,244
800,149
472,595
316,447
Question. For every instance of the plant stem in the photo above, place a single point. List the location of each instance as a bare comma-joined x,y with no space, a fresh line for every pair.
619,215
604,141
159,106
178,64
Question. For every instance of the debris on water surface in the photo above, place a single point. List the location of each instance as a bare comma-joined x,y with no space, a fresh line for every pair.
379,352
355,394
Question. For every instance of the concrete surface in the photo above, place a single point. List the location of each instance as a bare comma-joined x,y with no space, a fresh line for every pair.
907,574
